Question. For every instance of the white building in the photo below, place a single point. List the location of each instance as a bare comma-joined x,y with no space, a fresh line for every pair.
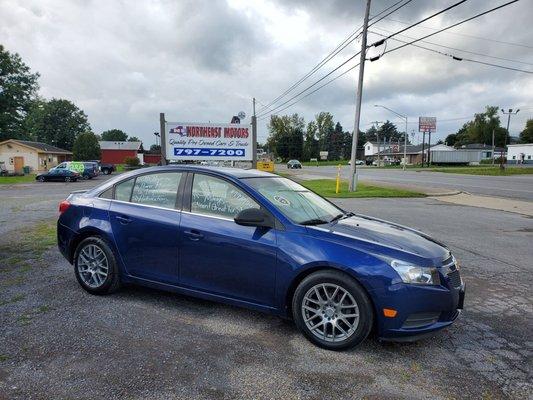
520,153
371,148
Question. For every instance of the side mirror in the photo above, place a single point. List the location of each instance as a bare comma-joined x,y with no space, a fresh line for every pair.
254,217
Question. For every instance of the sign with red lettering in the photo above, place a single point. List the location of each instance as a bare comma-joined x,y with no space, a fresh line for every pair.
199,141
427,124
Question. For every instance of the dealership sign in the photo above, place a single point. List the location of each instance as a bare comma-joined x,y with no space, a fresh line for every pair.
427,124
199,141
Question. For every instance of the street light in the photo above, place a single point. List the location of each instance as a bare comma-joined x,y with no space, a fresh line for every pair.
509,113
405,134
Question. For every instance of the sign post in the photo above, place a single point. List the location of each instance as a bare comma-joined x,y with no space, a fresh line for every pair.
162,133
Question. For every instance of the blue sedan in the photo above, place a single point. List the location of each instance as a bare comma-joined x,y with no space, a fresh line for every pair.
261,241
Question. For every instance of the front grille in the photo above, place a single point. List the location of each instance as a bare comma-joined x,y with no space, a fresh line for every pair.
454,278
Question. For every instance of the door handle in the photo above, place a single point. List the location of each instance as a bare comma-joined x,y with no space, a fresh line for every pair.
193,234
123,220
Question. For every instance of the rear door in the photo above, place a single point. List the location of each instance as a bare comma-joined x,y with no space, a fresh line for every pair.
145,218
216,254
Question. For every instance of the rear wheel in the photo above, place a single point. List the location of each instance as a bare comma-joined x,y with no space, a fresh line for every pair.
332,310
95,266
41,179
67,179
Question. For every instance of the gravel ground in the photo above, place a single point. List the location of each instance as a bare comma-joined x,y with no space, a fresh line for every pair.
57,341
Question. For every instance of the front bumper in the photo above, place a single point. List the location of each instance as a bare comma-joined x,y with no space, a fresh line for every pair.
420,310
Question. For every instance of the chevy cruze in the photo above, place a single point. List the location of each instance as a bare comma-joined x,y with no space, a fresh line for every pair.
265,242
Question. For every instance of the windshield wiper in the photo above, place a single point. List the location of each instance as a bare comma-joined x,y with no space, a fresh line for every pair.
314,221
341,216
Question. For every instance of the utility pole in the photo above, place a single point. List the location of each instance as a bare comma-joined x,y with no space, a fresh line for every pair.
493,148
405,146
509,113
254,136
163,138
376,126
353,167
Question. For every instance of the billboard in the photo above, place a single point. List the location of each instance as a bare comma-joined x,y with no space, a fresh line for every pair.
427,124
199,141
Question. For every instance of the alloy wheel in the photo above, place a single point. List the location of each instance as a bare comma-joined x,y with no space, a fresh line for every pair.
92,265
330,312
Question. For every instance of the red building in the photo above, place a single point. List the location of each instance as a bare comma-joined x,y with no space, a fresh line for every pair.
116,152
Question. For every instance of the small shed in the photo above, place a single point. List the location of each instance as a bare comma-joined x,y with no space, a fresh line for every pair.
38,156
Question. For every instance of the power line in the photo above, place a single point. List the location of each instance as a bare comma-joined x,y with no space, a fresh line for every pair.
388,8
353,36
453,48
455,57
443,29
466,35
310,86
314,91
380,42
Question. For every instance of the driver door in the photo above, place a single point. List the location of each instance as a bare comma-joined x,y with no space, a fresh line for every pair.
217,255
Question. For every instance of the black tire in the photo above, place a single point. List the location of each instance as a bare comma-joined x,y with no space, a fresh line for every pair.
107,171
112,281
67,179
366,313
85,177
41,179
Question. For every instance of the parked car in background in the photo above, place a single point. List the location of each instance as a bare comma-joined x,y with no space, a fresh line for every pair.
91,170
258,240
86,169
59,175
294,164
357,162
106,169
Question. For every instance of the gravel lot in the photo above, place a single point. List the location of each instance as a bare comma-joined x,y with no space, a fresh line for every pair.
57,341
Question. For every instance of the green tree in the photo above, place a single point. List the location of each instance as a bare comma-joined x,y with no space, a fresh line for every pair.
18,88
114,135
57,122
286,136
155,148
134,139
526,136
335,142
370,135
480,129
325,126
86,147
450,139
347,144
310,142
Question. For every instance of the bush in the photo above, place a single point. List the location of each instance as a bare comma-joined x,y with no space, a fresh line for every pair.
132,161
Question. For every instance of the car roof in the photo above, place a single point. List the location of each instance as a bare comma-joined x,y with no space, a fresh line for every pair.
229,172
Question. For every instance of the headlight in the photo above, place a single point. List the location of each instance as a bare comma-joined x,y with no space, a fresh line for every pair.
411,273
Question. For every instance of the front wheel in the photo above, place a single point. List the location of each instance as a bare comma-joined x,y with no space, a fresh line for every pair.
332,310
95,266
41,179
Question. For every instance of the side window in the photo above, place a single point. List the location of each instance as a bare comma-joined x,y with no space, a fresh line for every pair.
214,196
123,190
157,189
62,165
107,194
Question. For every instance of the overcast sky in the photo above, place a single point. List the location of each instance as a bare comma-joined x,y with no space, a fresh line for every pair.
124,62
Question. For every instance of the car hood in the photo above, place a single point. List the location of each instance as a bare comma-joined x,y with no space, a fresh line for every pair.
384,233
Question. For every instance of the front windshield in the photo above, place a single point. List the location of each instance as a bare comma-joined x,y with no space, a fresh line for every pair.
294,201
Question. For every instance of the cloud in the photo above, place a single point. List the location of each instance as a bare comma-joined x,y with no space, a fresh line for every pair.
125,62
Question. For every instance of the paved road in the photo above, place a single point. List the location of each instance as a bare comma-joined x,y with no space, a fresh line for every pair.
59,342
24,204
514,186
